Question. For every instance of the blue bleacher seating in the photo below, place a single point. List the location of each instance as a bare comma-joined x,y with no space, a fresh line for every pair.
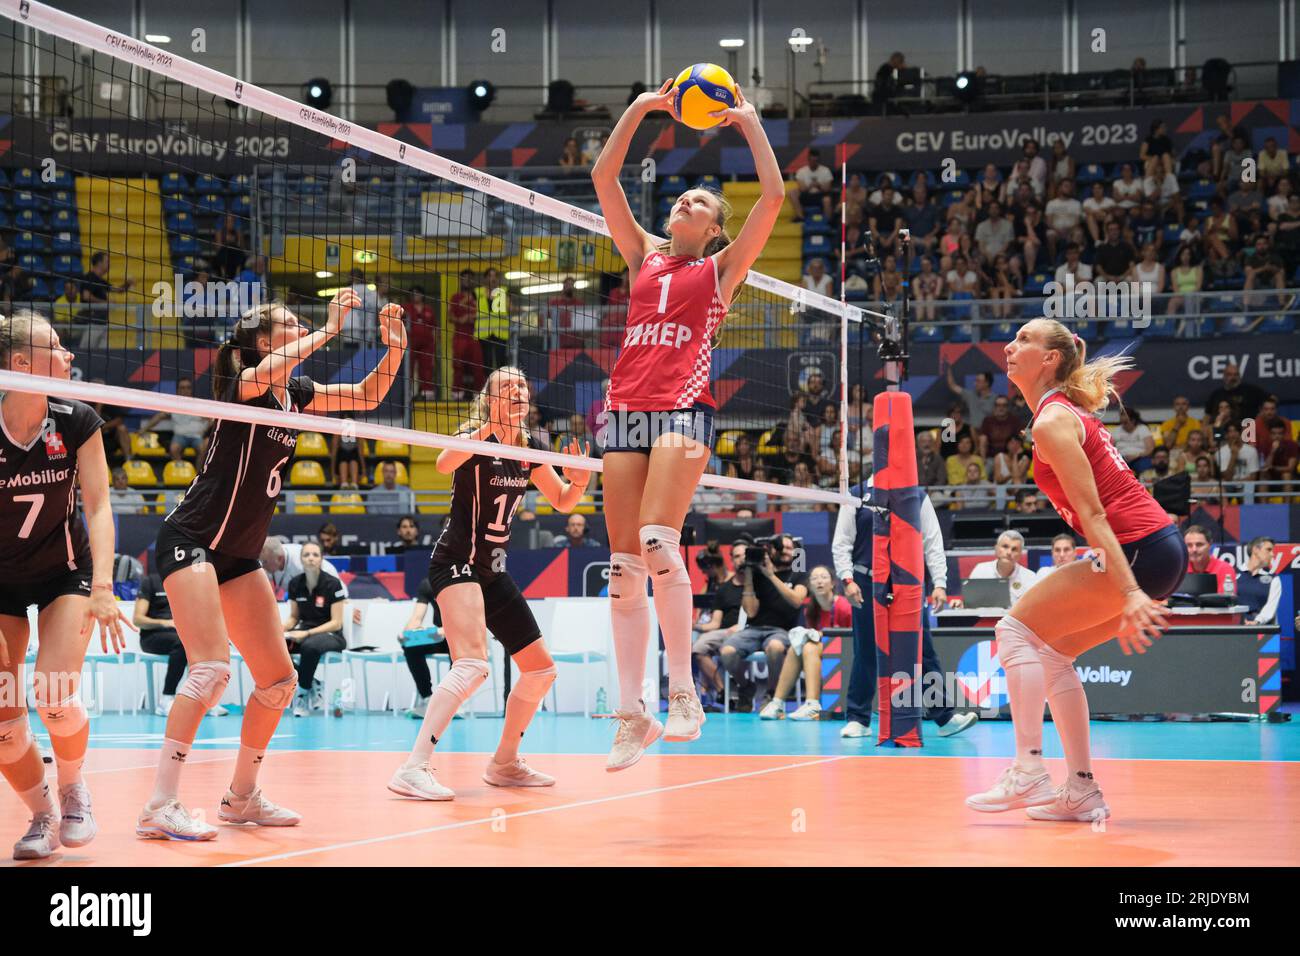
28,241
64,199
925,332
67,265
31,262
26,178
186,246
26,199
239,185
1275,324
67,243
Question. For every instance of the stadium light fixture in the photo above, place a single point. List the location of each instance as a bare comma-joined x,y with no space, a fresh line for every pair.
481,94
157,38
318,93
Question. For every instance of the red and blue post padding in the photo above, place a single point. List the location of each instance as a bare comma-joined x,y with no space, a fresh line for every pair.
897,572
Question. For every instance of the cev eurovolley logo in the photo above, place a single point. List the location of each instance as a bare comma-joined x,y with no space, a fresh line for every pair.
981,678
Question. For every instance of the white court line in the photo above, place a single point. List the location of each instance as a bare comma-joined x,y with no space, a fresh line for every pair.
525,813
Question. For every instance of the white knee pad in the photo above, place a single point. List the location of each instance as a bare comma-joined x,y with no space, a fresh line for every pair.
533,685
627,574
277,696
662,554
465,677
1017,644
64,719
15,738
1059,674
206,682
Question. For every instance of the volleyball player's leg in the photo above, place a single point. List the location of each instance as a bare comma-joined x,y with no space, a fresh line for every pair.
676,464
624,483
58,702
465,628
536,675
20,761
196,611
252,618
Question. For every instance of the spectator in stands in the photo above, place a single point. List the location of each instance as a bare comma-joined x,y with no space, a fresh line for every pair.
492,327
816,280
230,247
1185,456
743,460
995,234
1064,551
886,85
282,562
887,286
720,621
951,241
1286,235
1237,461
1173,431
1267,416
931,471
576,535
1097,208
1004,284
1115,257
1157,150
823,609
1031,237
802,477
565,310
616,302
1150,272
956,463
885,218
1230,173
1127,190
1162,190
1185,278
361,326
466,354
989,188
963,281
828,446
922,218
578,430
537,426
117,437
94,293
772,599
1200,560
1027,501
15,287
1219,235
1007,566
955,427
1278,202
966,212
816,399
1273,164
816,185
347,458
408,535
927,289
153,619
1205,486
1146,226
1159,466
123,498
978,401
65,306
997,427
1244,202
570,156
327,537
1073,265
1133,439
1244,397
388,497
1062,214
1011,465
1037,165
972,491
314,626
1062,163
1279,462
1264,267
186,431
423,325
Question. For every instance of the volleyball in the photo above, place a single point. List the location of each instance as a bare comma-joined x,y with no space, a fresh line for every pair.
700,90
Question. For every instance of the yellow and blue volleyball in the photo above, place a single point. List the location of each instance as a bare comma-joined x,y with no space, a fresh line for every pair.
700,90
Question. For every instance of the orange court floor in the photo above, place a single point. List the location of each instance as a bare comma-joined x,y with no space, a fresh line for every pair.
813,800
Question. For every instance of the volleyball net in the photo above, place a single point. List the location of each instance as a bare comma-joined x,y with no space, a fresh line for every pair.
149,202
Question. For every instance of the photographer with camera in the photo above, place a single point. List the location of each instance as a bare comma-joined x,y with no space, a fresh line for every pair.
773,598
722,620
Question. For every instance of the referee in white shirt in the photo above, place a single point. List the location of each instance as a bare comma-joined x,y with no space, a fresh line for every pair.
851,549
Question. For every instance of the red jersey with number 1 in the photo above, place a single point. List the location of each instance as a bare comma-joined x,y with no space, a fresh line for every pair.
1131,512
675,307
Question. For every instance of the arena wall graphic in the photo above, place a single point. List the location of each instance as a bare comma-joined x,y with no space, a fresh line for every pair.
872,143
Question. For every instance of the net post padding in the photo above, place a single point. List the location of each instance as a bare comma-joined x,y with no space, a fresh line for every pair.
897,572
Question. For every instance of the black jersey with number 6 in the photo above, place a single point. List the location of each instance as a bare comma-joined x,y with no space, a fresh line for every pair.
229,504
485,493
41,531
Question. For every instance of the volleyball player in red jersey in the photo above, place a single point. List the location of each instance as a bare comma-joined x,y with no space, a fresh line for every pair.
659,431
1140,560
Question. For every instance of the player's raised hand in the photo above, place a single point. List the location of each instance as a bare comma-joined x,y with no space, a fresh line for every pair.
392,328
573,474
663,100
740,114
344,301
104,610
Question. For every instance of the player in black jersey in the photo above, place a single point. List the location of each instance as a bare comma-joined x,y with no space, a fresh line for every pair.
475,593
47,558
207,551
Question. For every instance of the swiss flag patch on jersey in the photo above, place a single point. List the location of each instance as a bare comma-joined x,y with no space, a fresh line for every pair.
320,600
54,447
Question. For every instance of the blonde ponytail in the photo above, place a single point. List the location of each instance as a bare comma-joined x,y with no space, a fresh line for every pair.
1089,384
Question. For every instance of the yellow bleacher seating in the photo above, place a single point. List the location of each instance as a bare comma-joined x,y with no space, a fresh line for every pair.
348,504
178,474
307,504
727,442
307,474
766,447
426,477
312,445
140,474
391,449
147,445
402,477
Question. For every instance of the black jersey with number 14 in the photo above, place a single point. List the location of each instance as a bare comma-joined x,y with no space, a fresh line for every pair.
229,505
42,532
485,493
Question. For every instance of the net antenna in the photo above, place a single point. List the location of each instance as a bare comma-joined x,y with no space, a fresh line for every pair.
135,58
